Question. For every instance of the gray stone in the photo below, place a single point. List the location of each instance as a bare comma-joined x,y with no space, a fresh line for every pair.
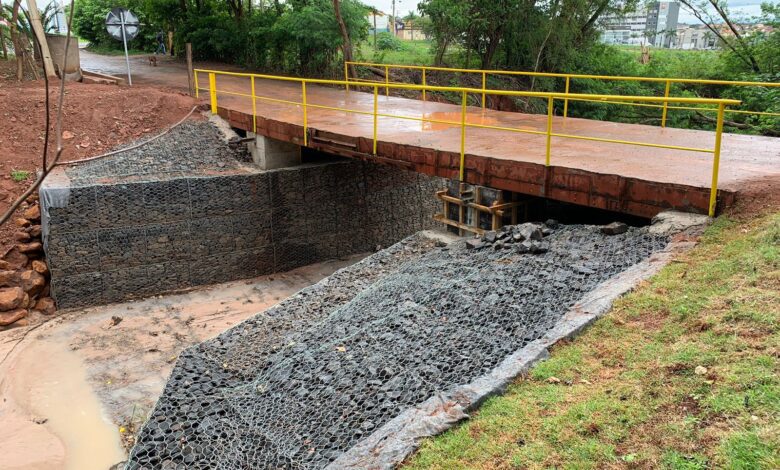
474,244
615,228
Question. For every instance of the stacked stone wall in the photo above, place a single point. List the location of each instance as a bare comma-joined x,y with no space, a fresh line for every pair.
114,241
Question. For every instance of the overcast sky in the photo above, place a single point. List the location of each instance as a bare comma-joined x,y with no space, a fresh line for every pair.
739,8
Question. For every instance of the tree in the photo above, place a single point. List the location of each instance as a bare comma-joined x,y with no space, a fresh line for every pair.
736,42
346,48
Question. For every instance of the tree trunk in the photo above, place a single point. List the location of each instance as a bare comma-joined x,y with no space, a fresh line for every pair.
18,53
347,47
2,42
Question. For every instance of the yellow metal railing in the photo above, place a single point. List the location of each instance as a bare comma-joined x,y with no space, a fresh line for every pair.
305,104
568,77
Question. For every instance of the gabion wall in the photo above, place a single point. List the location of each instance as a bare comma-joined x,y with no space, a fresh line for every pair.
184,212
299,385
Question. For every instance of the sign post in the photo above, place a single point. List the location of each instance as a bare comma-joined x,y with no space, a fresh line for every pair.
123,25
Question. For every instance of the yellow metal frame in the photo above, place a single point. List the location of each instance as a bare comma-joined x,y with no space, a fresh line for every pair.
570,76
463,124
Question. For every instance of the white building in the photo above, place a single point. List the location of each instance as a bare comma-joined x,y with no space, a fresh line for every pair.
653,23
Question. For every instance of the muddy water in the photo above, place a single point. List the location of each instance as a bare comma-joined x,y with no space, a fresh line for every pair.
70,384
51,382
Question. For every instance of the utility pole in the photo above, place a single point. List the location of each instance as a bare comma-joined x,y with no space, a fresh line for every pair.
394,31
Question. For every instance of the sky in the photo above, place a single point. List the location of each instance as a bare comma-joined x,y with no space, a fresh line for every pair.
737,7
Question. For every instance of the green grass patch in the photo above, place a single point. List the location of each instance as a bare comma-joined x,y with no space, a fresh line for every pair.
20,175
408,53
630,393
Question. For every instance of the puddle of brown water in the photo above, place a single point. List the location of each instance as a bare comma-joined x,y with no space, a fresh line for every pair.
50,382
452,119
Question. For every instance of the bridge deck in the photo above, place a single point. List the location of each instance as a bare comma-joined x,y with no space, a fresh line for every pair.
627,178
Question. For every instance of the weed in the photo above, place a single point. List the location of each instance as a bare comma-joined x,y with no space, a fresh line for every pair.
20,175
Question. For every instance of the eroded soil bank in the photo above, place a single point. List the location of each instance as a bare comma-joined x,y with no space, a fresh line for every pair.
75,388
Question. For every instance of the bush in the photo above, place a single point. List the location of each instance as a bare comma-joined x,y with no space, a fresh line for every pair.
388,42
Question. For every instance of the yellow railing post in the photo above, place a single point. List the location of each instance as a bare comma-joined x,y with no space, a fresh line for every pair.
254,107
387,81
424,83
716,160
197,94
566,100
213,92
305,117
346,75
666,103
463,138
376,108
484,83
549,128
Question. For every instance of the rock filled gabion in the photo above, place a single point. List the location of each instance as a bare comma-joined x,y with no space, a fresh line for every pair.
183,212
300,384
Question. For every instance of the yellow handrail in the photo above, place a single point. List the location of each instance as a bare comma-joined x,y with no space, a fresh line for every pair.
668,81
305,104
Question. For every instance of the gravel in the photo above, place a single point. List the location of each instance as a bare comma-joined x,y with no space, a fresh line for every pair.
300,384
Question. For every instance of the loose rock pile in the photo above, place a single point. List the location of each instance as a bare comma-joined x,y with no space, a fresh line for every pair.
302,383
24,274
523,238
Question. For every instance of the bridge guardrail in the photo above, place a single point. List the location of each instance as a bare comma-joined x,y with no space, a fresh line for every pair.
568,78
305,105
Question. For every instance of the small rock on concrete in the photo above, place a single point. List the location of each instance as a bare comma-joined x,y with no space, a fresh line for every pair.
615,228
7,318
490,236
11,298
46,306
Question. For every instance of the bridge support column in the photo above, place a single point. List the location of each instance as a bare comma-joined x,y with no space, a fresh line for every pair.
270,154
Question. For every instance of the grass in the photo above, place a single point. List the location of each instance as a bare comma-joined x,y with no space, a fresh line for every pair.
411,53
20,175
634,398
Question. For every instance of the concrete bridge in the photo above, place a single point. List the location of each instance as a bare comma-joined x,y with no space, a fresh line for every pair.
629,168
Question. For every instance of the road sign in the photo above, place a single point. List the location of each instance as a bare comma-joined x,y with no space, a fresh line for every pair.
123,25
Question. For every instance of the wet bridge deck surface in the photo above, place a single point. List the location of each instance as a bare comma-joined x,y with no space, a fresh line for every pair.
626,178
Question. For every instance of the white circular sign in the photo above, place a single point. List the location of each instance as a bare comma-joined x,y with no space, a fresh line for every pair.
119,18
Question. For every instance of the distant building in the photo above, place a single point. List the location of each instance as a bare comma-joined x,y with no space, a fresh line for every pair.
409,31
653,23
699,36
382,21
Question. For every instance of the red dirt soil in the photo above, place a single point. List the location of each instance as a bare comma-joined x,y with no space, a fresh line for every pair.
96,118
